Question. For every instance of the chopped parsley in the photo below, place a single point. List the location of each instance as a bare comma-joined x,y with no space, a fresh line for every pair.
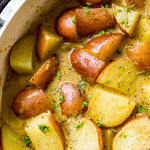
56,62
144,72
121,68
87,9
84,83
119,52
27,140
105,6
56,106
84,104
58,75
128,9
125,20
53,57
119,86
88,97
115,131
44,128
139,17
99,123
108,31
51,89
74,116
88,3
61,99
120,135
73,20
102,32
142,109
124,135
119,10
58,89
78,126
107,82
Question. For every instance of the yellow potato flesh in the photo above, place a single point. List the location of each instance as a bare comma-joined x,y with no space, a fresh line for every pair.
109,108
121,75
143,30
132,18
41,141
11,140
87,137
21,57
133,136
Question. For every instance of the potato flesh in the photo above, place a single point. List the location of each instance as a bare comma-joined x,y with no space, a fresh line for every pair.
133,17
143,30
136,135
41,141
110,110
122,80
21,57
10,140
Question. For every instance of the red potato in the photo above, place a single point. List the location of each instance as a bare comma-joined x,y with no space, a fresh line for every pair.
72,100
45,74
138,3
66,25
30,102
86,64
97,20
46,43
95,3
103,47
140,56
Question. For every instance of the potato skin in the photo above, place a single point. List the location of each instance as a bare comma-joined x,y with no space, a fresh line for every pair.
95,3
140,56
30,102
98,19
138,3
45,74
86,64
72,100
65,27
103,47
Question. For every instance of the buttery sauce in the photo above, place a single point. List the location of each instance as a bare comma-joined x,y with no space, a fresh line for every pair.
17,82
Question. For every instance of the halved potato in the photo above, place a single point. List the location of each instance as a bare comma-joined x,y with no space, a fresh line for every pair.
103,47
109,108
66,25
140,56
143,30
10,140
121,75
95,3
30,102
47,42
93,21
45,74
127,22
86,64
134,135
54,138
89,136
22,53
73,100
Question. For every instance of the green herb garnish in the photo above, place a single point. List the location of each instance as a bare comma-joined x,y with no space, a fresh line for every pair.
119,10
74,116
58,75
87,9
51,89
99,124
58,89
142,109
56,62
125,20
107,82
84,83
88,3
53,57
121,68
78,126
88,97
73,20
44,128
61,98
84,104
115,131
56,106
102,32
27,140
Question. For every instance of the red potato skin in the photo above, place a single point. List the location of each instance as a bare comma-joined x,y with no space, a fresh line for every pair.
103,47
86,64
72,100
30,102
138,3
140,56
65,27
98,19
45,74
95,3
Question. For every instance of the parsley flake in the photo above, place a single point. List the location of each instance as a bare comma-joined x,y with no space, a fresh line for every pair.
56,62
84,104
61,99
128,9
78,126
115,131
56,106
119,10
99,124
87,9
143,72
58,75
121,68
84,83
88,97
119,52
88,3
124,135
58,89
102,32
27,140
51,89
44,128
125,20
53,57
108,31
120,135
73,20
146,74
142,109
107,82
74,116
